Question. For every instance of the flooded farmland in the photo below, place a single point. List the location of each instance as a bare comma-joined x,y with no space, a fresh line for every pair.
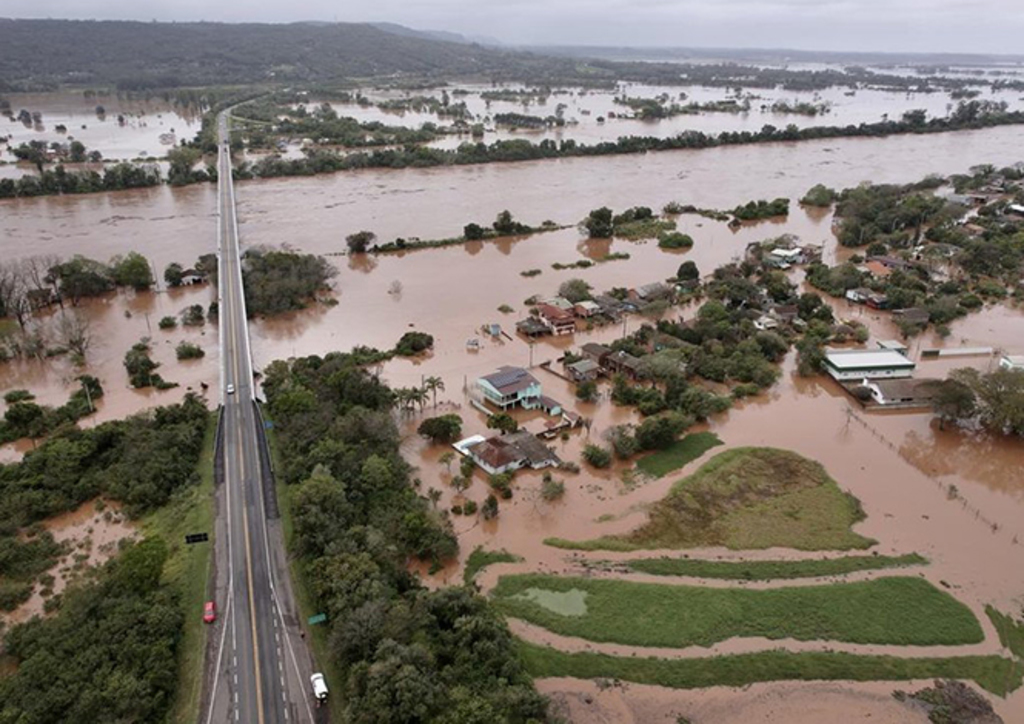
900,465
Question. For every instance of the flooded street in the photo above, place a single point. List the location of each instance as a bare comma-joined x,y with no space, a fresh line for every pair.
900,465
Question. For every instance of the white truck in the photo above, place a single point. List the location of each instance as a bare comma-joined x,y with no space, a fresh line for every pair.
319,688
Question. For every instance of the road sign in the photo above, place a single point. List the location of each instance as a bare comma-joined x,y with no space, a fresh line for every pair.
319,618
197,537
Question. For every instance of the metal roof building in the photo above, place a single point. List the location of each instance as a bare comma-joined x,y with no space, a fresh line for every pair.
867,364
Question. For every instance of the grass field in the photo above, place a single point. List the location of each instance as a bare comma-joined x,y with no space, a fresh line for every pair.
691,447
188,571
995,674
897,610
769,570
480,559
747,498
1011,632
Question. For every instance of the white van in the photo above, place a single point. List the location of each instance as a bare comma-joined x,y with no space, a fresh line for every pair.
319,688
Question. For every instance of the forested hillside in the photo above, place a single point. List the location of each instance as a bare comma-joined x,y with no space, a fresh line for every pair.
131,55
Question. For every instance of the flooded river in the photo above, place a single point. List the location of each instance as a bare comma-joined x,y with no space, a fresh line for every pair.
898,465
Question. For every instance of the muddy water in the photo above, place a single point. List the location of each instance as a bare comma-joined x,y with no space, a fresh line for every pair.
140,135
92,531
117,322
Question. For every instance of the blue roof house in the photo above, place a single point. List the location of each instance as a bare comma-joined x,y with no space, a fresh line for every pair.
510,387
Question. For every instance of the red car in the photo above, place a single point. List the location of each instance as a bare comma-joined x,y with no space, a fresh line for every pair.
209,612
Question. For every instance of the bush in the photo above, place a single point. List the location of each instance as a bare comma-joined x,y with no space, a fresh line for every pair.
597,456
489,510
412,343
819,195
587,391
193,316
674,240
187,350
469,508
443,429
552,490
360,241
167,323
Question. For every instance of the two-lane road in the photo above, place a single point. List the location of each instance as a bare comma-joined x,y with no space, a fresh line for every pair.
258,666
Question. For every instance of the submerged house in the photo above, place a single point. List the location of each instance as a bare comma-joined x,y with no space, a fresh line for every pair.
505,453
558,321
508,388
867,364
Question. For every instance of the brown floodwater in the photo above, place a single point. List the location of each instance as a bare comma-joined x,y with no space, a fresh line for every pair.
92,532
150,128
899,465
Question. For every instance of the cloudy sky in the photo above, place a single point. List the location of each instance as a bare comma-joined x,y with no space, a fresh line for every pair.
987,26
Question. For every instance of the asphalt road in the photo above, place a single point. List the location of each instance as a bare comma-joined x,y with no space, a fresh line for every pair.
258,665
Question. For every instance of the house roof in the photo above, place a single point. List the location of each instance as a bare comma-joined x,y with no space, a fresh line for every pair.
860,359
625,359
584,366
530,447
595,349
554,314
651,290
907,389
496,452
893,344
1015,360
914,314
588,305
510,379
878,269
531,325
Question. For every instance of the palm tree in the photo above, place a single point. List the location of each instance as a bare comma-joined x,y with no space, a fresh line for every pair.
433,384
417,397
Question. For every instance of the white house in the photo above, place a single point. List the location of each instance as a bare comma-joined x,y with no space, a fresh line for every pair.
867,364
1012,362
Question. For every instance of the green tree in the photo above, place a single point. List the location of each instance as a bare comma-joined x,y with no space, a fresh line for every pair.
587,391
954,401
688,272
131,270
360,241
173,274
574,290
597,456
599,223
443,429
432,385
502,421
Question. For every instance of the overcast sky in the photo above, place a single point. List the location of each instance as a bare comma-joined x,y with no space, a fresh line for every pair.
985,26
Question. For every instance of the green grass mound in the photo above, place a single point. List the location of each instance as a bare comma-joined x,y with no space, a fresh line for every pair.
691,447
770,570
747,498
480,559
1010,631
993,673
898,610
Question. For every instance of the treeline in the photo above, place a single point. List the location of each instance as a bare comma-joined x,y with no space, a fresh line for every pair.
26,418
59,180
405,653
995,399
140,461
279,281
967,115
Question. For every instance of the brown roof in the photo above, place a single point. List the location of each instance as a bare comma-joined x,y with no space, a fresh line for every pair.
496,452
908,389
553,313
878,269
594,349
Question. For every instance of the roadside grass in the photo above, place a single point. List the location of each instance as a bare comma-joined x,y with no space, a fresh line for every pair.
771,570
1011,631
317,636
747,498
895,610
187,572
995,674
480,559
686,450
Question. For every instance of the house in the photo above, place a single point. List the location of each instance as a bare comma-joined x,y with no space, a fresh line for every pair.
532,327
866,364
913,315
894,345
858,295
784,312
764,322
877,300
877,269
1012,362
651,292
597,352
506,453
623,363
192,276
610,306
559,321
1015,209
890,262
585,370
510,387
784,258
586,309
561,302
902,393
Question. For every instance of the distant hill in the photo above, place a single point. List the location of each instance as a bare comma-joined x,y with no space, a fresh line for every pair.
436,34
133,55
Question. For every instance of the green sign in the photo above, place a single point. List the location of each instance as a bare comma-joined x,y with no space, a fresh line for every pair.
319,618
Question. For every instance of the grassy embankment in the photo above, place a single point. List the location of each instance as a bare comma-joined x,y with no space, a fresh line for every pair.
480,559
896,610
187,571
746,498
317,637
661,463
769,570
995,674
1011,632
